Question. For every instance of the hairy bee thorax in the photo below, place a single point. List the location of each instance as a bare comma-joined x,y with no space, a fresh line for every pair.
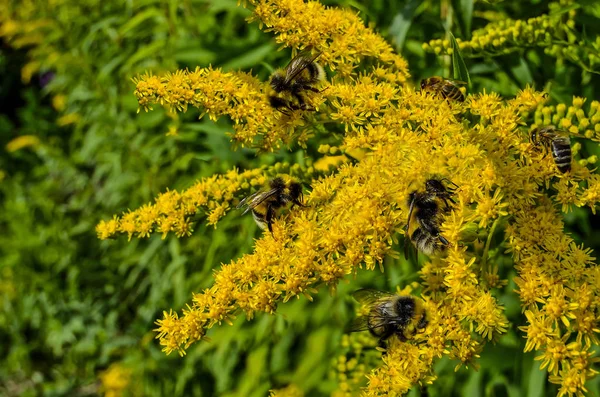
278,81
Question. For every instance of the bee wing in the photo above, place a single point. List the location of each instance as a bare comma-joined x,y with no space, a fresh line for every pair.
368,296
456,82
297,65
363,323
255,199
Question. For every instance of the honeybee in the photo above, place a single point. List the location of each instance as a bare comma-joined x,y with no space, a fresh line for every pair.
264,204
447,88
559,143
301,74
389,314
423,215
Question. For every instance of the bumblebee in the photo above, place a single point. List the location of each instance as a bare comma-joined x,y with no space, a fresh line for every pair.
301,74
264,204
559,143
449,89
389,314
423,215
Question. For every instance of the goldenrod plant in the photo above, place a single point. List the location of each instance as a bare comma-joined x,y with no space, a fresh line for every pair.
354,217
253,312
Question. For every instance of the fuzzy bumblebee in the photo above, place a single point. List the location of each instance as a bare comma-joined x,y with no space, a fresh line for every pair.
423,224
300,75
389,314
264,204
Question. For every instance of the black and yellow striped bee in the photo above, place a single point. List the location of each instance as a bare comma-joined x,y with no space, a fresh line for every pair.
301,74
559,143
423,224
264,204
446,88
389,314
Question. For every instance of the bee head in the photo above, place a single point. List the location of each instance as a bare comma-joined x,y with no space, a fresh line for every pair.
435,186
278,82
423,84
533,136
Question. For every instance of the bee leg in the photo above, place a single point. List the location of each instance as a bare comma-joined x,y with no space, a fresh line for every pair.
382,344
406,243
313,89
443,239
298,203
301,102
269,218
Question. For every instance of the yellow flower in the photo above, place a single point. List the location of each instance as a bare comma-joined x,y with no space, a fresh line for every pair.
115,380
21,142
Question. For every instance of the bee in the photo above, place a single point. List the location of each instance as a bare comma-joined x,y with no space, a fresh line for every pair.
560,144
447,88
264,204
389,314
423,215
301,74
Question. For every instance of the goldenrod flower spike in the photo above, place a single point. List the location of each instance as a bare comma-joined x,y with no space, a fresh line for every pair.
397,139
340,36
172,211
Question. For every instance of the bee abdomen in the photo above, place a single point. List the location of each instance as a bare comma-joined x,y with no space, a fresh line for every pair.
425,242
260,219
561,152
453,92
316,72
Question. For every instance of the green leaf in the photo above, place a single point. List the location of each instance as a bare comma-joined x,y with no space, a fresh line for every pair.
464,15
459,68
402,21
249,58
537,381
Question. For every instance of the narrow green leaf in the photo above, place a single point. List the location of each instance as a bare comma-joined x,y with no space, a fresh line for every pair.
250,58
464,15
459,68
402,21
141,20
537,381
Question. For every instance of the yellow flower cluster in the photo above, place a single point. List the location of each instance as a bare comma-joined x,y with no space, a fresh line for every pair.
358,359
340,36
397,138
172,211
238,95
558,286
115,380
555,32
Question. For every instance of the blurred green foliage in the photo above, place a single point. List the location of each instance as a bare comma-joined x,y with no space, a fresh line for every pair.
73,305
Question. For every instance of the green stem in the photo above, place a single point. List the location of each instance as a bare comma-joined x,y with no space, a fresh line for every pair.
484,264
